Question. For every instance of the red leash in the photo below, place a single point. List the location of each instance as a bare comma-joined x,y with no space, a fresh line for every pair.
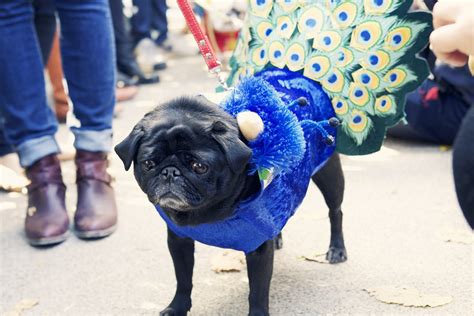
204,45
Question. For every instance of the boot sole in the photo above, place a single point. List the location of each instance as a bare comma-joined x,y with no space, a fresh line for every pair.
95,234
48,241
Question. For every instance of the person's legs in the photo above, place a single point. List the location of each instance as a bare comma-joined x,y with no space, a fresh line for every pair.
463,166
45,25
141,20
434,115
123,43
56,76
159,21
30,124
88,51
5,147
126,62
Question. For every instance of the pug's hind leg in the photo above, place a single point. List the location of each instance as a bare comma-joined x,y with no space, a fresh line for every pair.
330,181
182,253
260,269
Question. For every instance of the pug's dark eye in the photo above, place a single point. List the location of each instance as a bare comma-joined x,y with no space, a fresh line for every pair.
198,167
148,165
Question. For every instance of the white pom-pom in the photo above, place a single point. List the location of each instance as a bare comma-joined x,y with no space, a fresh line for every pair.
250,124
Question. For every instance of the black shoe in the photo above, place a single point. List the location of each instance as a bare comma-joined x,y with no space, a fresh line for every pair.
124,80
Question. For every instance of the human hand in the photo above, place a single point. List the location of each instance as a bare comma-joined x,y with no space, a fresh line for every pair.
452,41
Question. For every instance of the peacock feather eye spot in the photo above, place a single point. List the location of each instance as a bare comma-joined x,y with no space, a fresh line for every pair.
295,57
378,2
284,26
397,39
383,103
311,22
393,77
261,2
365,35
262,53
332,78
277,54
365,79
358,93
317,67
374,60
327,40
343,16
339,104
341,56
357,119
268,32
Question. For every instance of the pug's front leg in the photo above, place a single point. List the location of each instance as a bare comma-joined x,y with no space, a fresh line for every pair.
260,269
182,252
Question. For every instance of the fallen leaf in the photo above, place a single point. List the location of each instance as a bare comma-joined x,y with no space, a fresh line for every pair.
22,306
319,258
11,181
228,261
409,297
458,236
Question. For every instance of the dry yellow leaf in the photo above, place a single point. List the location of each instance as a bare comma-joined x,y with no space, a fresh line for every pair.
409,297
319,258
23,305
228,261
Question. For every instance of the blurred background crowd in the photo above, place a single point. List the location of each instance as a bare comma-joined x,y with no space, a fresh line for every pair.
95,54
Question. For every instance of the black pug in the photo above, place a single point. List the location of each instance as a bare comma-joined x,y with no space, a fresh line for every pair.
190,159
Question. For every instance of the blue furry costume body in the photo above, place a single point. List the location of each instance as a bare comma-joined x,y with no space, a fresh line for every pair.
292,146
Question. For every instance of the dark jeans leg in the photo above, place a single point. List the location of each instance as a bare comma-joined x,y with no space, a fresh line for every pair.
29,122
141,20
5,147
45,25
463,166
123,41
88,51
159,22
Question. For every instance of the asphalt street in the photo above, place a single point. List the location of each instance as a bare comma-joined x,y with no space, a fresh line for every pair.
399,210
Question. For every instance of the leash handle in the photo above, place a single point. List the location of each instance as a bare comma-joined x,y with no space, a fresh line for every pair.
204,45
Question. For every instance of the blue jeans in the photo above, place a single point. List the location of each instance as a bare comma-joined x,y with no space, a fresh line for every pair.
87,48
151,15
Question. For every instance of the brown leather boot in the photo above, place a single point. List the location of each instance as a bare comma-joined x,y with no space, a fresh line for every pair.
46,220
96,214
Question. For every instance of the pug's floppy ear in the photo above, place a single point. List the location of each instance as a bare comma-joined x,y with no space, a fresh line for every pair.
236,152
127,149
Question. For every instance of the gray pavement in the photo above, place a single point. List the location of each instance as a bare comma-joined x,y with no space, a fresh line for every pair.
399,204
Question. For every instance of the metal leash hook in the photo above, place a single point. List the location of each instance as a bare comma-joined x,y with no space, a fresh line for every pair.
213,64
217,71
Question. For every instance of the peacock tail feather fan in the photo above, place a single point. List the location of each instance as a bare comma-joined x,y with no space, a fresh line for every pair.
362,52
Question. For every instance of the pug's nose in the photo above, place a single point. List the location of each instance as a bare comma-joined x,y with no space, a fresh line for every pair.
170,172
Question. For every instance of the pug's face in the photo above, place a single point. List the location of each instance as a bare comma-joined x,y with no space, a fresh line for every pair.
189,159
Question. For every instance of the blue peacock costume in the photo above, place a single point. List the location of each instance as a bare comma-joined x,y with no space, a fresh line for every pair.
298,64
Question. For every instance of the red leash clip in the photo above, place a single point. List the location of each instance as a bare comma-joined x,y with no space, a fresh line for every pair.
204,45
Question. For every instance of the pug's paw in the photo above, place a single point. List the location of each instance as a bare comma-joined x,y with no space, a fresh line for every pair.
170,311
258,312
336,255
